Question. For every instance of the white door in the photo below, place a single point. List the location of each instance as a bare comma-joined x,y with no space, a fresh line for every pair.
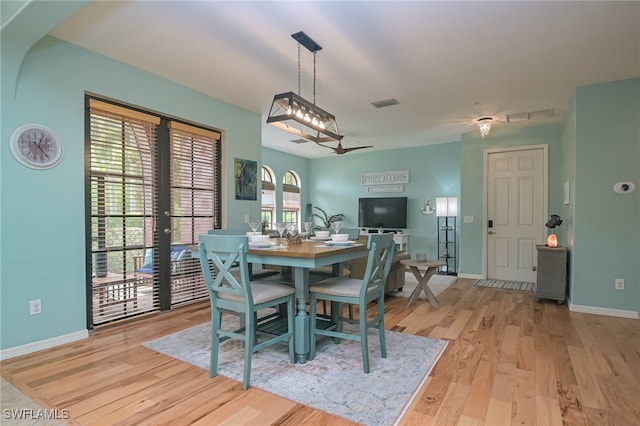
516,208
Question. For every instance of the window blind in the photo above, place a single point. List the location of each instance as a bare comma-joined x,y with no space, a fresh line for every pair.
122,191
123,182
195,181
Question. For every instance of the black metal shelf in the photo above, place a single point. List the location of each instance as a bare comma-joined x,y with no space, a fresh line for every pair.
447,250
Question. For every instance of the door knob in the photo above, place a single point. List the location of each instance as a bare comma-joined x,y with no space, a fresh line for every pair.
491,232
167,231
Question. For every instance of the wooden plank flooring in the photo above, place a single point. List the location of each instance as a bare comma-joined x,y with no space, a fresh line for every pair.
510,361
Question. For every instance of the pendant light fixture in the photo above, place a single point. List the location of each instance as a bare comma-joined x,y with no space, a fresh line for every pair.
485,125
293,113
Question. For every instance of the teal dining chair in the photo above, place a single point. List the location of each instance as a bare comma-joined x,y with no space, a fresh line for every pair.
326,272
214,231
359,292
233,292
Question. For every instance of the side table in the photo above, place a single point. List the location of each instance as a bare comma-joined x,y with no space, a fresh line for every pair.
429,267
551,278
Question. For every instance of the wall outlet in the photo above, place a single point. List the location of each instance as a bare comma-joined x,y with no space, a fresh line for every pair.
35,307
246,218
619,284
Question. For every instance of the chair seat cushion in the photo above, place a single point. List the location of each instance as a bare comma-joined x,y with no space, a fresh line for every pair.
262,292
339,286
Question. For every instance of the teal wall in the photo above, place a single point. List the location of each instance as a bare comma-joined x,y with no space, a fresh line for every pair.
434,171
606,234
42,222
472,181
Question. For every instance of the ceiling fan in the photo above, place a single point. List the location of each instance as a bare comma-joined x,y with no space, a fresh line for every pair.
340,150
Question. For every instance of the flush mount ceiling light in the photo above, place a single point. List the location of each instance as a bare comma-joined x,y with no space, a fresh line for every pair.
291,112
485,125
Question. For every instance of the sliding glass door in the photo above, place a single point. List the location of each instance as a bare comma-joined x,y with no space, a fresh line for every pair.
153,186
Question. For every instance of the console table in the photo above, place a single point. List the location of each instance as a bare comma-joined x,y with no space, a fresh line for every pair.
402,241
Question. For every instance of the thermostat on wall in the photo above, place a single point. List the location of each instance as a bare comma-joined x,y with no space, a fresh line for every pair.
624,187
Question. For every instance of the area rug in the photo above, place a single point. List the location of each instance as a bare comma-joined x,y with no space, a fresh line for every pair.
334,381
511,285
437,284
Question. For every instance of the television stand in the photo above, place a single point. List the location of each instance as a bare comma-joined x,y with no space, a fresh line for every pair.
375,231
402,240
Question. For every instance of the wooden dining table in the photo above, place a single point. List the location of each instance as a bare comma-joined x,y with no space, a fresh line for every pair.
302,258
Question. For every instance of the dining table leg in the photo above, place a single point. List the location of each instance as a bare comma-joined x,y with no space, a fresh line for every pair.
301,323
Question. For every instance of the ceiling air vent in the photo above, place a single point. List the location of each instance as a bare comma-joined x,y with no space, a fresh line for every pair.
526,116
543,113
299,141
515,118
385,103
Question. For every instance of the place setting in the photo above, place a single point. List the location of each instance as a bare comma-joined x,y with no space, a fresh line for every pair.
260,241
320,236
339,240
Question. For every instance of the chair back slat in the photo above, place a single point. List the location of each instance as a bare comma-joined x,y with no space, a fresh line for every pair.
226,252
354,233
381,249
226,232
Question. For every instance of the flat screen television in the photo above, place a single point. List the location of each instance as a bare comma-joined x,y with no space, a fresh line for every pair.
382,212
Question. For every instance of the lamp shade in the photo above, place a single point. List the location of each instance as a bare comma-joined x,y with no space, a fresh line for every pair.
446,206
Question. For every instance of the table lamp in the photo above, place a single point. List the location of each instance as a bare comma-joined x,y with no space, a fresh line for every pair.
552,239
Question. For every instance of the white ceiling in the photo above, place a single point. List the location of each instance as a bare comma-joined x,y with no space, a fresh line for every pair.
447,63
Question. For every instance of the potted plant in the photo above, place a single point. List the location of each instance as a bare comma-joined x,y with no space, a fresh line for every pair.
326,219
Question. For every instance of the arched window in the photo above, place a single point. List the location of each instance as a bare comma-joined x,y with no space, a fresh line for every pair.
291,199
268,197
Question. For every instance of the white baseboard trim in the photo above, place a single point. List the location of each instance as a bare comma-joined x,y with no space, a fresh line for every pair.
43,344
472,276
603,311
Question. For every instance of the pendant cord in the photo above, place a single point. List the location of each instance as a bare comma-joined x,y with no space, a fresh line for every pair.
314,78
299,70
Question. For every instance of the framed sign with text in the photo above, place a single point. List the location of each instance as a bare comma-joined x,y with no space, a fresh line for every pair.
386,178
385,188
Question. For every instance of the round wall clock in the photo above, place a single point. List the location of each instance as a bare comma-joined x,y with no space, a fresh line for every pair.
36,146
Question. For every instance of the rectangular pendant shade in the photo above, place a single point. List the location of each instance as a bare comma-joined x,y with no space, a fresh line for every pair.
296,115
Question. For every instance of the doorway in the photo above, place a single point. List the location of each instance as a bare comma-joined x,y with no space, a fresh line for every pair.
516,205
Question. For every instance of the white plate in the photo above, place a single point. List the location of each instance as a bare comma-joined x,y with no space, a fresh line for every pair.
339,243
319,238
260,245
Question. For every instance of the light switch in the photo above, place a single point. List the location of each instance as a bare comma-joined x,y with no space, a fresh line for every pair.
468,219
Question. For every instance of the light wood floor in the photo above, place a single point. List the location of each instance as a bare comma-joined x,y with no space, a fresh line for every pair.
510,361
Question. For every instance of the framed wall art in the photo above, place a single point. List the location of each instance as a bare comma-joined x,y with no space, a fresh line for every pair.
245,173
